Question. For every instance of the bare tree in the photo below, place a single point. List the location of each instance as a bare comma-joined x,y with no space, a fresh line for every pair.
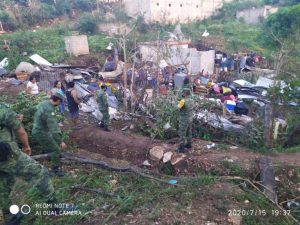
282,60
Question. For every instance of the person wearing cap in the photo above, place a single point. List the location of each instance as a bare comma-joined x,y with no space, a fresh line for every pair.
16,162
185,107
46,131
185,85
103,107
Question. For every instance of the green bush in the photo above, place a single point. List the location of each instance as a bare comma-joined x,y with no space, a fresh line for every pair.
4,16
63,7
120,14
22,2
49,2
84,5
7,21
230,9
87,24
285,22
141,25
26,105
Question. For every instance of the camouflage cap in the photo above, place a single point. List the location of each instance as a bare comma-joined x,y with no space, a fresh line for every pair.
59,94
3,105
184,90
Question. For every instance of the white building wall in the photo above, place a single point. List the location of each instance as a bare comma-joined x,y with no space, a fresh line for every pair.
138,7
196,61
207,61
77,45
173,10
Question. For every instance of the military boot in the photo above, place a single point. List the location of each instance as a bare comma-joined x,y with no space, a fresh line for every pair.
188,145
181,148
107,129
57,172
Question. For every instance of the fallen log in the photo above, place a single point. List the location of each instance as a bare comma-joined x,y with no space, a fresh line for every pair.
101,164
42,156
82,159
105,165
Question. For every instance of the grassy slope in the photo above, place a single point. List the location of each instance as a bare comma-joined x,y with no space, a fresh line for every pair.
47,42
144,199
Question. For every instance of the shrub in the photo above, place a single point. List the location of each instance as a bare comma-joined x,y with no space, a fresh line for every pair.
7,21
84,5
22,2
87,24
120,14
230,9
26,105
4,16
141,25
63,7
285,22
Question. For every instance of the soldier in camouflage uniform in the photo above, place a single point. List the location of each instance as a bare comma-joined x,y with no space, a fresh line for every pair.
46,131
185,107
15,163
185,85
103,107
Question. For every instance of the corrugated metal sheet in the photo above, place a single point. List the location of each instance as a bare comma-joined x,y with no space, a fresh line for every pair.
47,79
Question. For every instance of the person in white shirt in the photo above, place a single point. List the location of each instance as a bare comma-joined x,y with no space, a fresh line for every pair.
32,87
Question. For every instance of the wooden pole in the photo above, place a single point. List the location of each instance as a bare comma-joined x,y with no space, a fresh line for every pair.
125,73
268,125
156,92
132,81
1,26
97,3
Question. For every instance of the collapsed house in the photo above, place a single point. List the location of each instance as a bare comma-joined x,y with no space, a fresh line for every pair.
177,53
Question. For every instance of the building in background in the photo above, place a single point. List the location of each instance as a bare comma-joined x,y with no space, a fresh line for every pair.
172,11
255,15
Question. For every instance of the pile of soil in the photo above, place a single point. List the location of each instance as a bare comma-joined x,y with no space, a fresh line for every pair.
115,144
134,149
9,90
87,60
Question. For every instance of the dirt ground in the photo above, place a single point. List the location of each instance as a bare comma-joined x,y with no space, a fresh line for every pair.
211,205
87,60
203,210
133,148
9,90
116,144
